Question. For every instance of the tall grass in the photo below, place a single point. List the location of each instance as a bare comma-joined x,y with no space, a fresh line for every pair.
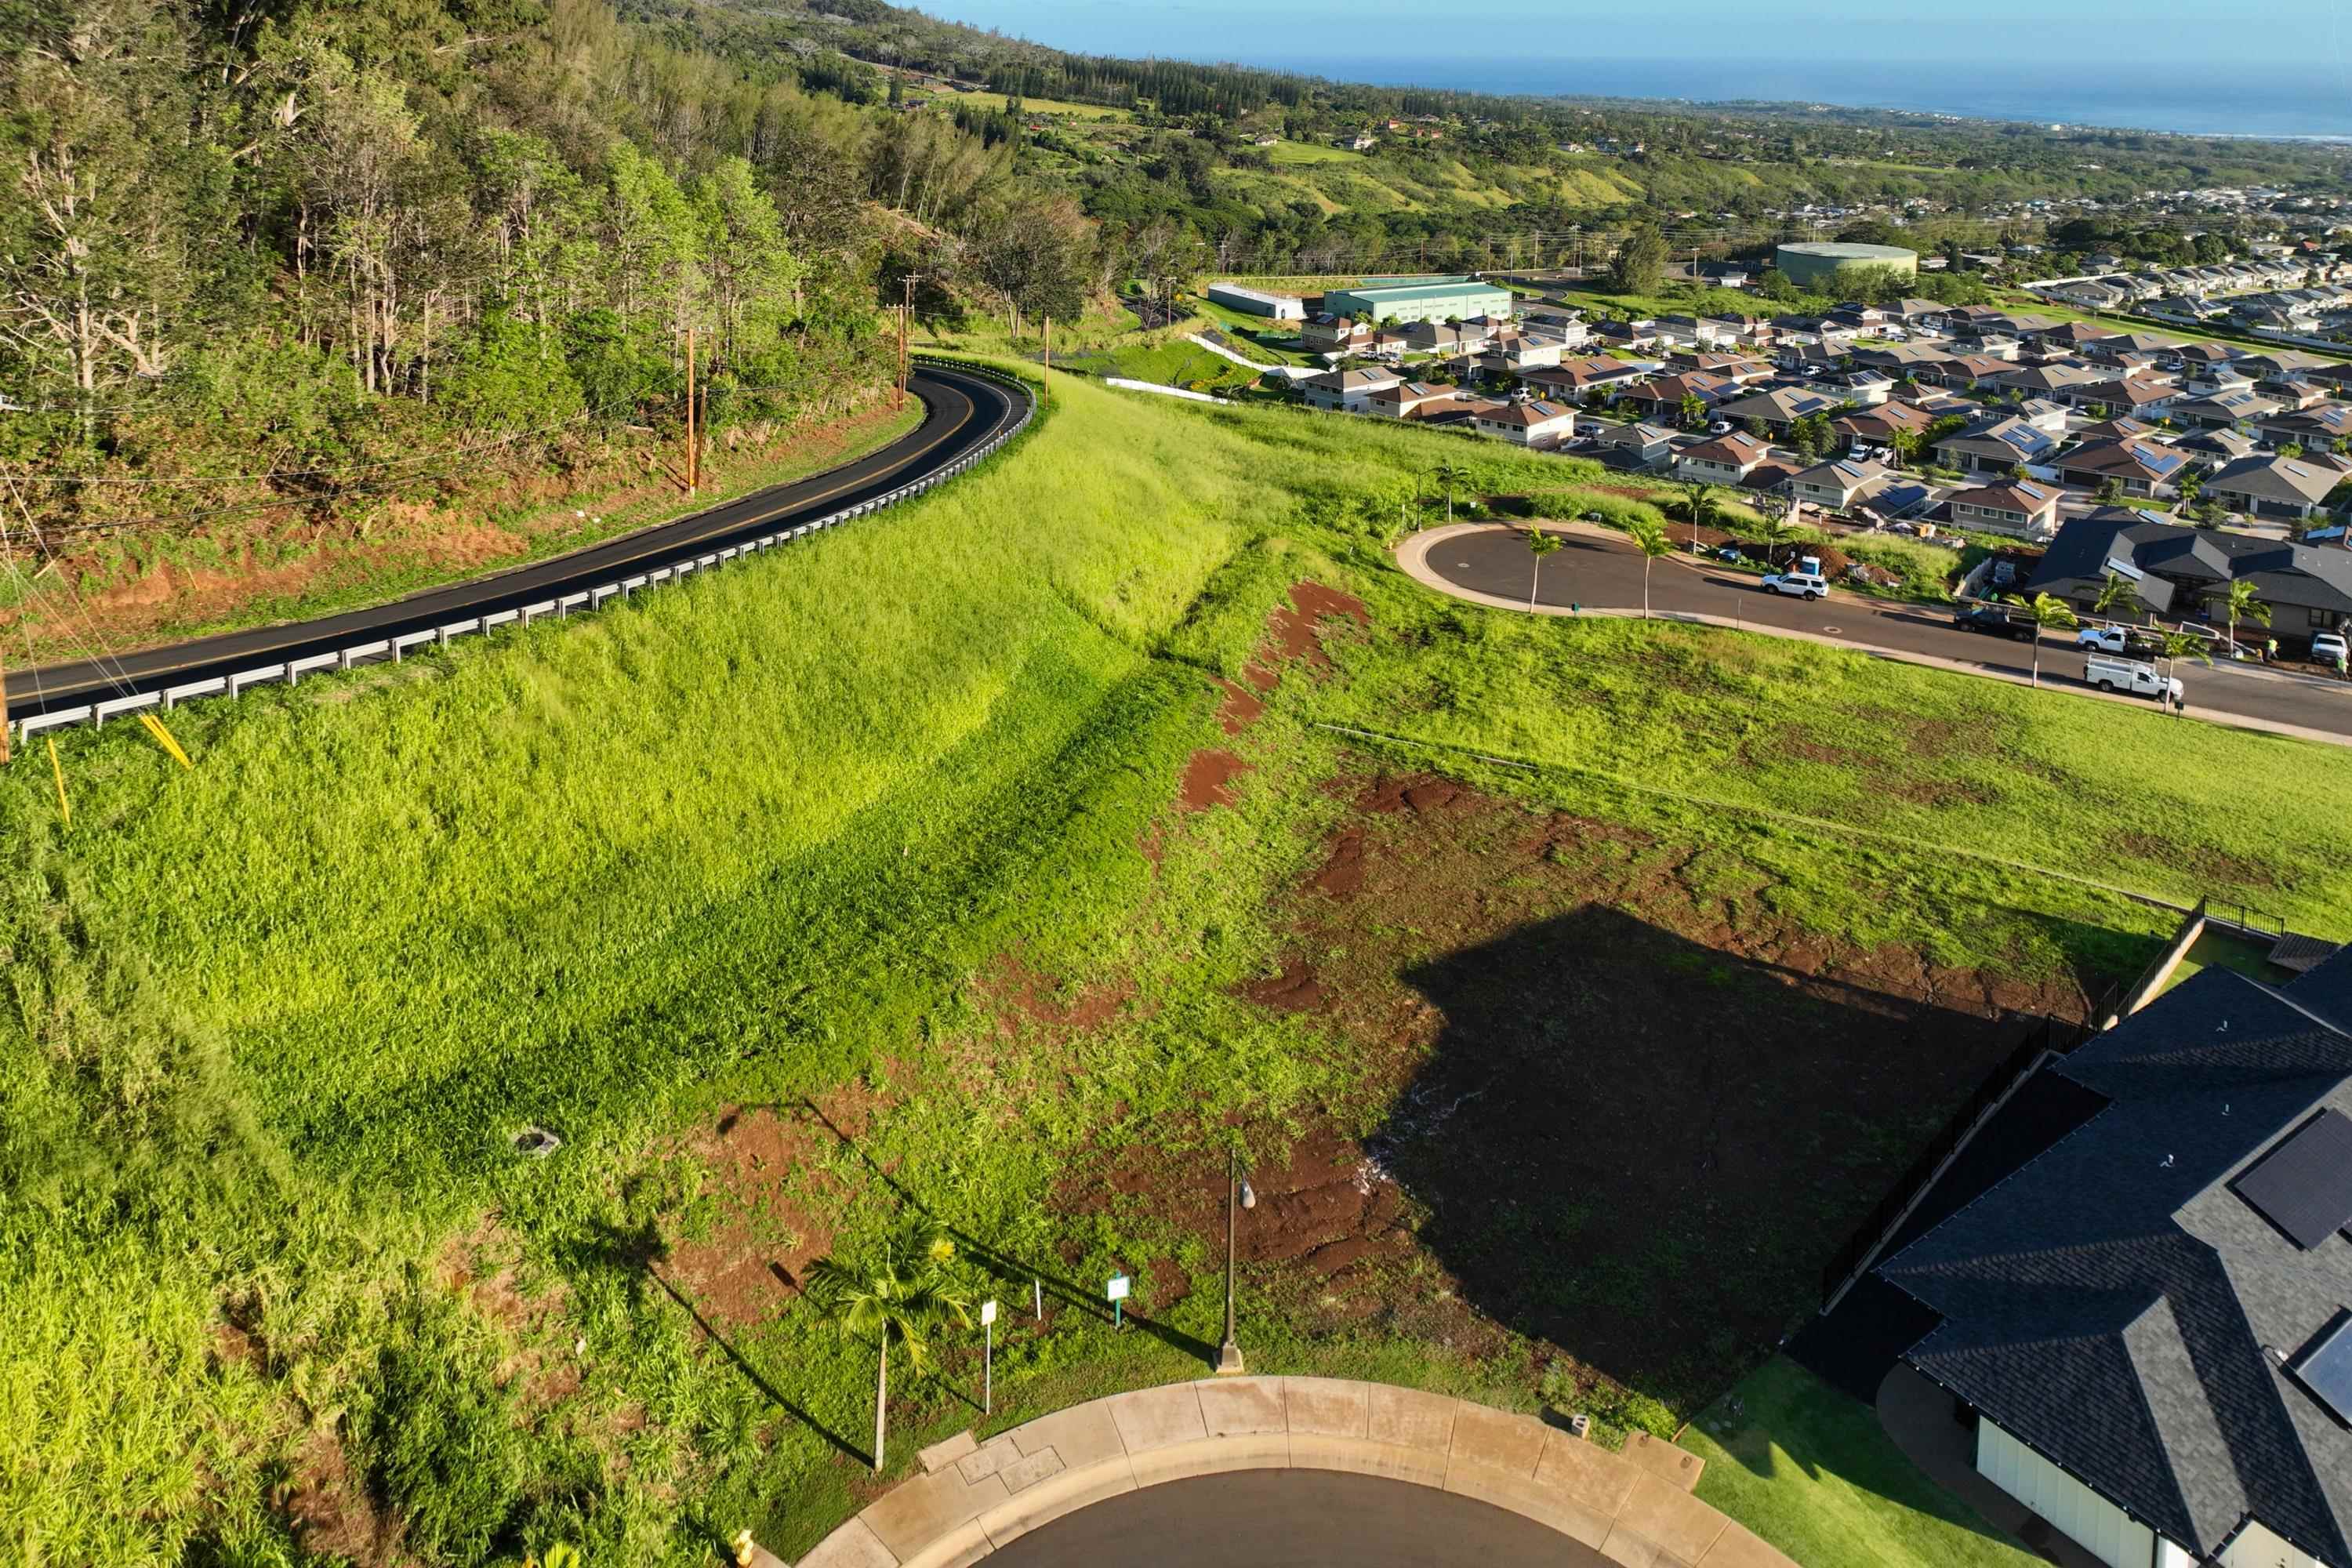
276,1020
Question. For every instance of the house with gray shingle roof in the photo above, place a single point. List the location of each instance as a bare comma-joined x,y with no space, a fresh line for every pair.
2147,1322
2290,488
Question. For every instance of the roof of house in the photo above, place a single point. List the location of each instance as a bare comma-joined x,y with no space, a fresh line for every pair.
1892,415
1841,474
2305,575
1636,435
1739,450
2021,440
1410,391
1357,380
2019,496
1527,415
2122,1305
2225,444
2116,429
1778,402
2073,332
2272,477
2049,377
2129,457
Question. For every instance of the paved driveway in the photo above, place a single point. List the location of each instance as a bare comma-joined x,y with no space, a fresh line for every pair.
1605,572
1289,1518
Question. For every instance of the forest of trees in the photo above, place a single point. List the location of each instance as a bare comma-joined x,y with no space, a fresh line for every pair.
307,255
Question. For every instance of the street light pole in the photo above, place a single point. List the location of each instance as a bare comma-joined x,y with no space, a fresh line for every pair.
1238,1196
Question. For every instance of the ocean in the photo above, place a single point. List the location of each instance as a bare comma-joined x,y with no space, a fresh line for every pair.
2234,67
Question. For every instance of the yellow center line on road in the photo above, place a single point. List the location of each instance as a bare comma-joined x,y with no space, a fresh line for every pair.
971,409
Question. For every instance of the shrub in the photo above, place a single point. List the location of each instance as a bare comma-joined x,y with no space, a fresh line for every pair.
442,1442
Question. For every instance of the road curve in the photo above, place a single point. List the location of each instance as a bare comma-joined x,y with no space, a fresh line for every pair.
1600,570
962,412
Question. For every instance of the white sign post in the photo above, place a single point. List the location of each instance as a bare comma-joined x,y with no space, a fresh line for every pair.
1115,1288
1037,1296
987,1357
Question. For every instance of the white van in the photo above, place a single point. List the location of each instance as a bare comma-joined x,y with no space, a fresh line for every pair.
2110,674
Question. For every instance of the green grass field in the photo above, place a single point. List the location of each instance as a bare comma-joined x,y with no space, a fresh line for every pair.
763,838
1810,1471
1286,155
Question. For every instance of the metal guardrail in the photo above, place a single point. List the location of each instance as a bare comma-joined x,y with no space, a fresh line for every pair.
289,672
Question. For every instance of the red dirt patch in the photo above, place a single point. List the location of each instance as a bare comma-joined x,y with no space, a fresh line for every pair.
1297,628
1259,675
1208,780
1295,990
763,1237
1240,708
1026,998
330,1509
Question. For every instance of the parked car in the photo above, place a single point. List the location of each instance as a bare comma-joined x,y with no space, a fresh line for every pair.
1994,621
1720,427
1797,584
2110,674
2328,647
2117,639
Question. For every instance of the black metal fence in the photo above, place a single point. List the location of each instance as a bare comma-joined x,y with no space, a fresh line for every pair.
2046,1035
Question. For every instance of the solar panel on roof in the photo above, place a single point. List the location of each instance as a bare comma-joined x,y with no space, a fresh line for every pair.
2326,1368
2304,1186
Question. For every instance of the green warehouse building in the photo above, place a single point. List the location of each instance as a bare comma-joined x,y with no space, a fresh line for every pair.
1418,300
1815,268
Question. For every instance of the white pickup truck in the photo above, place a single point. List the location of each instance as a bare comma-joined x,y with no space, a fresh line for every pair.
2110,674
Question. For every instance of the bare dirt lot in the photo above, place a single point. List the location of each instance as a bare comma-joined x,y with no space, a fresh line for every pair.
1610,1100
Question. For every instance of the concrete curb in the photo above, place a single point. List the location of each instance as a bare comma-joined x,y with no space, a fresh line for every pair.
1412,558
1635,1506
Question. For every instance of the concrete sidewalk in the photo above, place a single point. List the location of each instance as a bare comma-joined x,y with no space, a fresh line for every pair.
1635,1508
1411,556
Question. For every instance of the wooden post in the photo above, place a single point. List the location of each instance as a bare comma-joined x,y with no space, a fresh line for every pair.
1045,382
693,456
3,714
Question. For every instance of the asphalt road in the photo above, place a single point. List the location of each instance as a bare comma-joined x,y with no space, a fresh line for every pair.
960,413
1291,1519
1607,575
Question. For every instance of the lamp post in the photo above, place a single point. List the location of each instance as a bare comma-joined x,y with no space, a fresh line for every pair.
1238,1196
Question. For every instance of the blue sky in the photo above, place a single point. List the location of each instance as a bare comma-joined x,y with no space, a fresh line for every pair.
2133,61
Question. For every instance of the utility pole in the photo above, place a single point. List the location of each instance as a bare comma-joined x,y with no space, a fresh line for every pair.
693,448
905,313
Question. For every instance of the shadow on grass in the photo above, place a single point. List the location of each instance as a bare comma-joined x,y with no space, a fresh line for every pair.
1645,1148
638,1253
1011,1269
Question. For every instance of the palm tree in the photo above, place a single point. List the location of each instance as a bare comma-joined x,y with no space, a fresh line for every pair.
900,1295
2191,483
1449,474
2049,614
1693,408
1905,443
1539,544
2242,606
2177,646
1697,495
1649,538
1772,515
2115,590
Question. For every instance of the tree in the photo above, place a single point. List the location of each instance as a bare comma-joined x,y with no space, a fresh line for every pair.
1772,524
2111,491
1649,538
1639,262
1540,543
899,1296
2116,591
1905,444
2176,645
2241,605
1450,474
2049,614
1693,409
1697,495
2191,482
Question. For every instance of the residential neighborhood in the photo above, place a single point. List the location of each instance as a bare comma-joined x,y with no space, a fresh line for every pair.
1975,420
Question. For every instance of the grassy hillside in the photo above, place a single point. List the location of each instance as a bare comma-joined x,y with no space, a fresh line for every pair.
776,836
